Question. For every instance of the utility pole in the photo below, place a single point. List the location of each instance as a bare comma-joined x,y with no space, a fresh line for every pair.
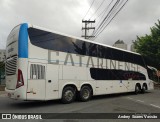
87,28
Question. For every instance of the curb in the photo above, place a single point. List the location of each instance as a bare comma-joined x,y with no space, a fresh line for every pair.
2,92
3,95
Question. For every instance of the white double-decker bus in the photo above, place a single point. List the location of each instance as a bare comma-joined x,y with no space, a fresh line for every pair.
44,65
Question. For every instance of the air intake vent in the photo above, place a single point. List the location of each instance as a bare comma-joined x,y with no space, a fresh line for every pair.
11,66
37,71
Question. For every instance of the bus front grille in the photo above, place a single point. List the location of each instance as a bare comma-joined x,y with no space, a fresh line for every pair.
11,66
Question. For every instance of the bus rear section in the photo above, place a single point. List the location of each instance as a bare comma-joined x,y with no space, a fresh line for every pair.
15,85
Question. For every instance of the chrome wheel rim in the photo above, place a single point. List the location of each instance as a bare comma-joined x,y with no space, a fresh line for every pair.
68,95
86,94
144,88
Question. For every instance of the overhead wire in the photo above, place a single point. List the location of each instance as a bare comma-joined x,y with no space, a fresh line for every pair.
97,9
105,10
113,16
107,16
110,14
104,19
89,9
111,19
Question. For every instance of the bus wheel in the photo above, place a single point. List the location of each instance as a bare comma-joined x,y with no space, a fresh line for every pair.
85,93
68,95
143,90
137,89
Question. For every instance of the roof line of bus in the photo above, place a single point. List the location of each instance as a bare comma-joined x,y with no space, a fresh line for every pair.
45,29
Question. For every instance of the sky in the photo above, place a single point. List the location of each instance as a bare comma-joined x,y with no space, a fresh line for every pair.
65,16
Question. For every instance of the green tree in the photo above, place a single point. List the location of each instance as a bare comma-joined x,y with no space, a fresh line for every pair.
149,46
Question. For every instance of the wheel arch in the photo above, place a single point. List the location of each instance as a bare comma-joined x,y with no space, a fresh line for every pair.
68,85
145,84
139,85
71,85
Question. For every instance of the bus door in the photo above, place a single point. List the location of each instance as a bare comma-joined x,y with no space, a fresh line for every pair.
52,77
36,81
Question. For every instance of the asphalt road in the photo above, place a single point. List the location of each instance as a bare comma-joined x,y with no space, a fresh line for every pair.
117,103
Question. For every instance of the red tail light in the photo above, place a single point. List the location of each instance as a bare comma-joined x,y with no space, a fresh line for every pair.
20,81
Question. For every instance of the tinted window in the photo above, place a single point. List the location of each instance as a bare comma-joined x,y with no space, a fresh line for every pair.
53,41
104,52
117,55
113,74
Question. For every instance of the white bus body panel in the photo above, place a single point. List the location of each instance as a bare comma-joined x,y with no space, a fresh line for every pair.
104,87
35,87
12,50
19,93
52,82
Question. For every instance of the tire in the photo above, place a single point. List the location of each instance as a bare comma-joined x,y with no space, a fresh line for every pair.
85,93
143,90
68,95
137,89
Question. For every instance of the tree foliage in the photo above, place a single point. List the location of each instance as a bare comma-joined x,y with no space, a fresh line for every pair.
149,46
